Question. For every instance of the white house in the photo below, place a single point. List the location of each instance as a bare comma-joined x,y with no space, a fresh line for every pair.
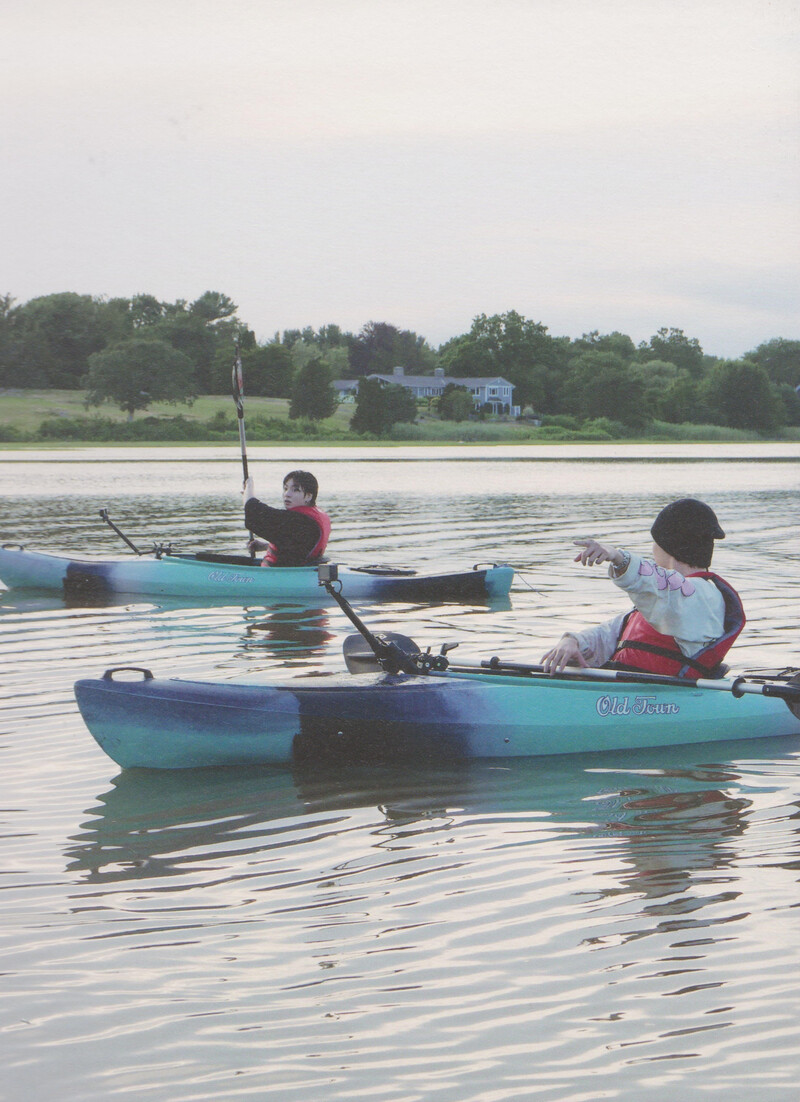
495,392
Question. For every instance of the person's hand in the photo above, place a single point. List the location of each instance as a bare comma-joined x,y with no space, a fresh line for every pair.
254,545
566,652
595,552
248,490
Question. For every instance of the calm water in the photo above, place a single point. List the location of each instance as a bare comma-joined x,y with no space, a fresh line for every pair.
615,926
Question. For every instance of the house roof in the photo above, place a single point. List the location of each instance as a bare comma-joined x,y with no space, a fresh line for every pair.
426,380
429,380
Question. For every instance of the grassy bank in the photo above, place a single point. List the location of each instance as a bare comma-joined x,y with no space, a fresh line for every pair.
26,409
59,418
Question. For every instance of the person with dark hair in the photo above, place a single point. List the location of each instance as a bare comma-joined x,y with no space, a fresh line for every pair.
295,535
685,618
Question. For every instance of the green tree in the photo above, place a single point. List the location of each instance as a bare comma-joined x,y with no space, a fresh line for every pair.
676,348
739,394
56,335
380,405
511,347
136,372
268,371
455,403
380,347
203,330
10,360
669,392
335,357
212,306
194,338
313,395
790,403
618,343
145,310
602,384
117,319
780,359
329,337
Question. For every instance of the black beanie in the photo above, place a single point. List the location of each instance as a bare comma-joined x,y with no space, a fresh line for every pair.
686,529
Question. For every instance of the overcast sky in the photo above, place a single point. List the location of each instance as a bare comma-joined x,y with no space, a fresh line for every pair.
592,164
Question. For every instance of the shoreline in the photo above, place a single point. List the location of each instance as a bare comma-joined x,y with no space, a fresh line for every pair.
311,442
597,451
24,412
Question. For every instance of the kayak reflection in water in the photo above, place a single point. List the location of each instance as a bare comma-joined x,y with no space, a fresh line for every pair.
295,535
685,618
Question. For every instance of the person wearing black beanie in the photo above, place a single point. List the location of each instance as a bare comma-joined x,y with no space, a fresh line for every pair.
685,618
686,529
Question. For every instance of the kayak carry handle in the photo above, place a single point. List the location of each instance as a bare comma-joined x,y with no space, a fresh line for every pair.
109,674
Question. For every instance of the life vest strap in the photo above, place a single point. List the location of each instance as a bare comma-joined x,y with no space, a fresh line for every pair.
664,652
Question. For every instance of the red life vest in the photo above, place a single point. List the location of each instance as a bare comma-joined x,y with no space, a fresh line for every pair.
641,647
324,522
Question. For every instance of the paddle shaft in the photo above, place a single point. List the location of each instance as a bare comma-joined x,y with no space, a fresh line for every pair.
237,380
738,686
735,685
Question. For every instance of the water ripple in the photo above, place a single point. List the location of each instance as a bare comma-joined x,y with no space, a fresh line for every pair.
615,925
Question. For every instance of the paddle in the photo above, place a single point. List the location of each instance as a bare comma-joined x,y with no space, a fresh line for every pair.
360,660
237,381
788,690
237,384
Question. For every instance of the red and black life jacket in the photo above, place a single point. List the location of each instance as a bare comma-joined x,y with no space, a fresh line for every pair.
320,518
641,647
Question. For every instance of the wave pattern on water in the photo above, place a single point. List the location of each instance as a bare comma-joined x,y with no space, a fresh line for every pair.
614,925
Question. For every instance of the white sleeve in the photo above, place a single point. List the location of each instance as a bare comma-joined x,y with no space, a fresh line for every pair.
597,644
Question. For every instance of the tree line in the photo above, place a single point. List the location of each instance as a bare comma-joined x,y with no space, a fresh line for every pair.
139,350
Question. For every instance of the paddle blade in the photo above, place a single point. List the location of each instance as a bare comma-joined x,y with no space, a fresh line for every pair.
794,704
360,658
237,382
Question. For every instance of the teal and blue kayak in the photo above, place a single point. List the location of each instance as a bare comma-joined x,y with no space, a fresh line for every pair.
453,715
238,579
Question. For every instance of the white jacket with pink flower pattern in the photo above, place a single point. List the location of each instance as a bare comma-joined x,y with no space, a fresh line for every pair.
691,610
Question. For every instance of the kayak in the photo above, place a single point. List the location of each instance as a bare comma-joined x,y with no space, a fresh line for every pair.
453,714
239,579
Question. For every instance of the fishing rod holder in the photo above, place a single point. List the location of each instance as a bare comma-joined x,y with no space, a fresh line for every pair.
327,572
158,549
390,655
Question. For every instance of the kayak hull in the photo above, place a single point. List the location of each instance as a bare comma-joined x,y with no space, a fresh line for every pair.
235,578
178,724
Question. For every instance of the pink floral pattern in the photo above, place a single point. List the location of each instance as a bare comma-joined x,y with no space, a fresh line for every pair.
667,579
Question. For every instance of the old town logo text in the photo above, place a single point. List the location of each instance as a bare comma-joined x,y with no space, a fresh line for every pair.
634,706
